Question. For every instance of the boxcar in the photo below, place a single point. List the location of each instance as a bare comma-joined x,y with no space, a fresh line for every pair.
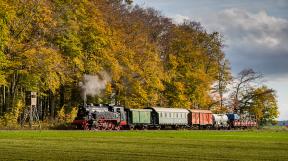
163,117
139,118
200,118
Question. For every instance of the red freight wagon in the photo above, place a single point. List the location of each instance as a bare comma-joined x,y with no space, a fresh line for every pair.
200,118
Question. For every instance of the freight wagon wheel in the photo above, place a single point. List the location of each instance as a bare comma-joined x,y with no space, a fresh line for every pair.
130,127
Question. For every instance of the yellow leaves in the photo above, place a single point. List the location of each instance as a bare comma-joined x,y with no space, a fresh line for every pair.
79,64
264,105
61,115
179,86
47,64
108,90
10,119
3,64
66,117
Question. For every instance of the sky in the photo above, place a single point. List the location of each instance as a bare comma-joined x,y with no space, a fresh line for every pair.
255,34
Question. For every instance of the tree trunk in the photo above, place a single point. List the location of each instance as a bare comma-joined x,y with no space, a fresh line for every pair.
62,96
52,105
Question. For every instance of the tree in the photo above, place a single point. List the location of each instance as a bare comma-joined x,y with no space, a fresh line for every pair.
220,87
264,105
244,86
192,63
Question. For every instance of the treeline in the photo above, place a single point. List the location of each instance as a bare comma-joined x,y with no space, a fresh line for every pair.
48,45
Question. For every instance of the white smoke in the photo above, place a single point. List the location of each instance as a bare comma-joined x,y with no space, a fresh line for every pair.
92,85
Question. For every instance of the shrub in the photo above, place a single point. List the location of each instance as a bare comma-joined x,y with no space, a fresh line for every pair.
10,119
66,117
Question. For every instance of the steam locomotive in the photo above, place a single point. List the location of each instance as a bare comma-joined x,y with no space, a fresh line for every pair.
107,117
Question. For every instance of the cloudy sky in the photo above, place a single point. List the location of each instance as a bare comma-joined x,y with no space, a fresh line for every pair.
255,34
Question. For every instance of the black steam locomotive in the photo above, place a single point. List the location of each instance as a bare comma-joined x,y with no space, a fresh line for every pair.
100,117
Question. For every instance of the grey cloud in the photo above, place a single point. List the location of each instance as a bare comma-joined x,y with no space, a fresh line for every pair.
259,29
254,40
262,61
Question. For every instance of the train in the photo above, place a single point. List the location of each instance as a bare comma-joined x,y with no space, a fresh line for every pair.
108,117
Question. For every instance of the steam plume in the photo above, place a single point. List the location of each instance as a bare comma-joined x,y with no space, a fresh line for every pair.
92,85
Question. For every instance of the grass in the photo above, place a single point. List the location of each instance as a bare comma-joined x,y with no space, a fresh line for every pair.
144,145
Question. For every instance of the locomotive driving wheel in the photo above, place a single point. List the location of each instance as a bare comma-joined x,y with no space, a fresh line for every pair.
117,127
101,124
105,125
85,125
111,126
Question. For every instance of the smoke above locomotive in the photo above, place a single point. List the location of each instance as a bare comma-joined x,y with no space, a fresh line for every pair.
92,85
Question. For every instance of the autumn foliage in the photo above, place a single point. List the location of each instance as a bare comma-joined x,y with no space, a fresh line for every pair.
48,45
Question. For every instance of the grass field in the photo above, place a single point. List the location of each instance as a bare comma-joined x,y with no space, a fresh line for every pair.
143,145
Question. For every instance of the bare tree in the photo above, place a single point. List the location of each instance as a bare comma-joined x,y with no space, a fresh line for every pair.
244,87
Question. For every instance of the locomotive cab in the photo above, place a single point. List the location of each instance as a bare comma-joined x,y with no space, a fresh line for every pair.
121,111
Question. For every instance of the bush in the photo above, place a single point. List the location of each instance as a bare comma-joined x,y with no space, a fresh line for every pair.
10,119
66,117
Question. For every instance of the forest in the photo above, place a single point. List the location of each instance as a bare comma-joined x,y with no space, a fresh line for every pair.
137,57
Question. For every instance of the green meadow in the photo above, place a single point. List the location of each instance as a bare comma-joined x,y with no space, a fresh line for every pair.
143,145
